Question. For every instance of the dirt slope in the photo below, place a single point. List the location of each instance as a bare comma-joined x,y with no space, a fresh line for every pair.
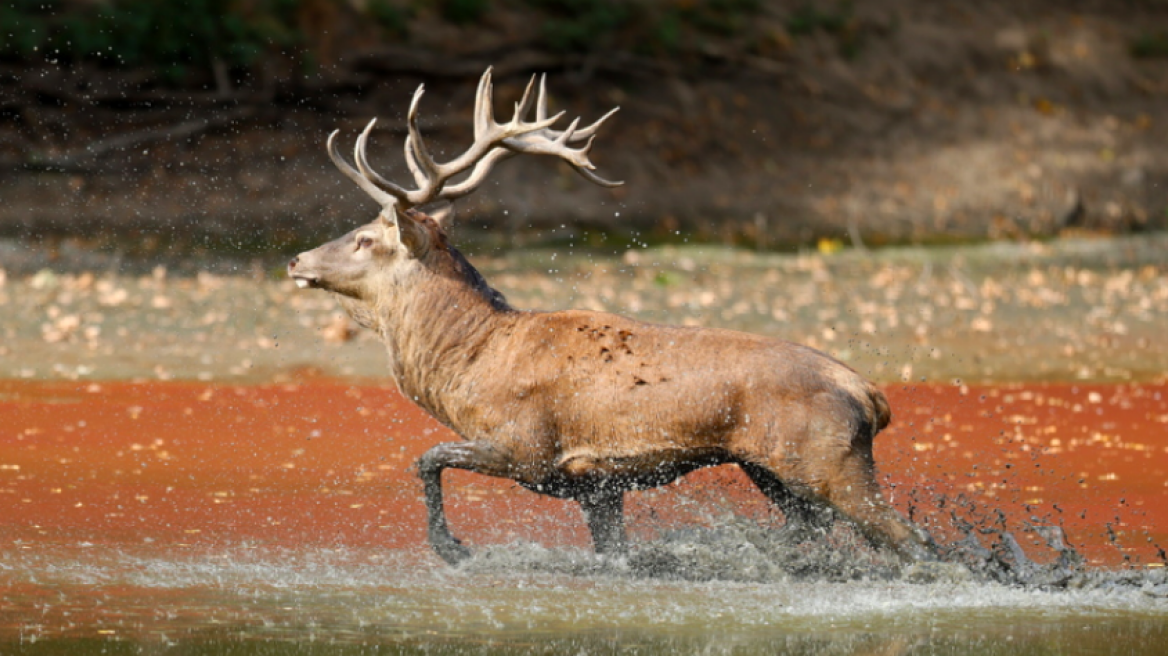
914,121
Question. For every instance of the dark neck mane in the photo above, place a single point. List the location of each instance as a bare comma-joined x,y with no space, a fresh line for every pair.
471,275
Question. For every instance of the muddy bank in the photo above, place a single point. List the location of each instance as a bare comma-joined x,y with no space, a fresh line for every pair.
920,121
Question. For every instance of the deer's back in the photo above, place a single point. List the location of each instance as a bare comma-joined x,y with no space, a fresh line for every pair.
601,381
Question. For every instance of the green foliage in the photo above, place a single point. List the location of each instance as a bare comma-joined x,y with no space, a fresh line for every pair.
668,32
679,22
171,37
723,17
839,22
580,25
392,18
575,26
24,27
666,279
463,12
179,37
1151,44
810,18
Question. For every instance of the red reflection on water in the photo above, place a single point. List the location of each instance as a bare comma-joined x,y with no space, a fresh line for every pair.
328,462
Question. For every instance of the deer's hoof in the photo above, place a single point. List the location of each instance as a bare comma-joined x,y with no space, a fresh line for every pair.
452,551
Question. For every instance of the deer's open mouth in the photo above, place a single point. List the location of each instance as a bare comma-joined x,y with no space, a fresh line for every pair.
303,280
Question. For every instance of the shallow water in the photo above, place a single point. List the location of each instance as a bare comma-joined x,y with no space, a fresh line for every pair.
194,518
529,599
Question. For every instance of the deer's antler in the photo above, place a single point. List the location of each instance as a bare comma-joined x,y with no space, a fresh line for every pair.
493,143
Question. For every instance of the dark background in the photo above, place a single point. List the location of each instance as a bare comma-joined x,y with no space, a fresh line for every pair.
200,125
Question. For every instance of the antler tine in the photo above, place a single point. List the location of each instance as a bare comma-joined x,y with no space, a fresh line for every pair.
566,136
591,176
484,117
541,103
524,105
591,130
366,185
430,178
367,171
540,143
412,162
541,114
587,171
577,158
411,159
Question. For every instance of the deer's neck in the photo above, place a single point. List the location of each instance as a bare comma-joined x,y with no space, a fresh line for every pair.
435,328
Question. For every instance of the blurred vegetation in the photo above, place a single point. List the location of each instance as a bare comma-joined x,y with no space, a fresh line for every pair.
174,38
170,37
463,12
580,25
652,27
1152,44
837,20
392,17
814,81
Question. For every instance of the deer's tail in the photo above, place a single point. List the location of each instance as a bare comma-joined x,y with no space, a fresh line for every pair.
883,410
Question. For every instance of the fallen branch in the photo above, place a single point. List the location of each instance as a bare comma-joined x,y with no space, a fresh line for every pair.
81,160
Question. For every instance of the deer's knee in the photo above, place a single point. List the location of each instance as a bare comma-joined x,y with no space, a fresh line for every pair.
429,466
472,456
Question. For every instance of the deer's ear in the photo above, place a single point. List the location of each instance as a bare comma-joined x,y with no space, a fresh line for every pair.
442,214
411,233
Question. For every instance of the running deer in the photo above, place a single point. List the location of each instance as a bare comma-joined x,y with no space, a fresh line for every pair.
588,405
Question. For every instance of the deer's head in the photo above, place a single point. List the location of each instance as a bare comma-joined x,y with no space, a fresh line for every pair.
373,258
365,260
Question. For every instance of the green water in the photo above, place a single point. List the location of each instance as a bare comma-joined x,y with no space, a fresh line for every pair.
522,599
1017,634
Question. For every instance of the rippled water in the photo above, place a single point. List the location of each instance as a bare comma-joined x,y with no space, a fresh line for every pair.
698,591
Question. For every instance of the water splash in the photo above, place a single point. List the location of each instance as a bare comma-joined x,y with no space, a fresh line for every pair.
740,550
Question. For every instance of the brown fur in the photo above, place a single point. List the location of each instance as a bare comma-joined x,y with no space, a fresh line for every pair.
587,405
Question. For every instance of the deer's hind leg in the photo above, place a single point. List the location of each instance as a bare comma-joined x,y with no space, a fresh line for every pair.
805,518
471,456
854,491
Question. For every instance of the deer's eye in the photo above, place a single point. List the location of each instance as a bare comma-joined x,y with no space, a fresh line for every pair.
364,242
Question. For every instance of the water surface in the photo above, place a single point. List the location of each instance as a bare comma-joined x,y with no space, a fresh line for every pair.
283,518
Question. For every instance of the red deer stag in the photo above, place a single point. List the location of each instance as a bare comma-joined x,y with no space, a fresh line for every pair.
588,405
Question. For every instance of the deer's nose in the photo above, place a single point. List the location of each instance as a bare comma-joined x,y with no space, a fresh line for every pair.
293,263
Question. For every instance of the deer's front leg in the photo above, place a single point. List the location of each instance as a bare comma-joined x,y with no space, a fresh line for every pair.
471,456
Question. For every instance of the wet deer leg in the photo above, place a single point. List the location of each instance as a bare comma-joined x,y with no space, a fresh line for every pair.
805,519
604,512
471,456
